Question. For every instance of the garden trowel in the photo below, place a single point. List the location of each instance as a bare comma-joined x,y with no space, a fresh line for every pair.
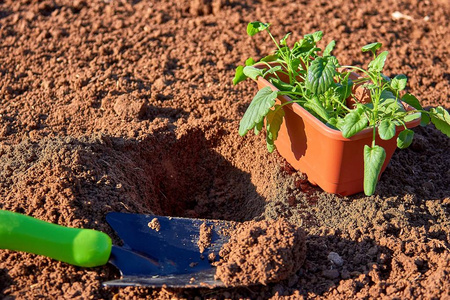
154,256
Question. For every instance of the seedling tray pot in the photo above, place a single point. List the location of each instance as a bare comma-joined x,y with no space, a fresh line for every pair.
334,163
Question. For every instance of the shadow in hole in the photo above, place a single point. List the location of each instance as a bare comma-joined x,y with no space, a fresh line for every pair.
5,282
163,174
191,179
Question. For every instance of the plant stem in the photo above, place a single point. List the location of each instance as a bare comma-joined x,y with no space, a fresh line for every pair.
357,68
374,136
286,58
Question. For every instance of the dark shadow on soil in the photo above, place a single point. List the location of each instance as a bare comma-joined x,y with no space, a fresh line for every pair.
153,112
4,14
5,282
423,169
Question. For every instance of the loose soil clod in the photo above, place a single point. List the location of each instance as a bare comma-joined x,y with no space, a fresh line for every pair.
261,252
204,240
154,224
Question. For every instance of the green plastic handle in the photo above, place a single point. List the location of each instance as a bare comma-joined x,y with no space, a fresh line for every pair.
79,247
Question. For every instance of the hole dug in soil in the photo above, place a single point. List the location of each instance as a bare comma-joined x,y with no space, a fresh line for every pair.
163,174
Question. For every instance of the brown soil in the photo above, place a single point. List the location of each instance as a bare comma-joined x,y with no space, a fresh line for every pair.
261,252
204,240
154,224
128,106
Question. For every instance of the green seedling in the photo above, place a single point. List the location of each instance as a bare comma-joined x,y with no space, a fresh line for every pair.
313,80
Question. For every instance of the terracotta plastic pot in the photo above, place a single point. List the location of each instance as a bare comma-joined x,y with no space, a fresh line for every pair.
334,163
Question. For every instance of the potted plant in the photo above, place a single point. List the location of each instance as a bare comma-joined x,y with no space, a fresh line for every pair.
338,124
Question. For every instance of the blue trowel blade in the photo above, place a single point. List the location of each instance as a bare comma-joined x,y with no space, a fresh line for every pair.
148,255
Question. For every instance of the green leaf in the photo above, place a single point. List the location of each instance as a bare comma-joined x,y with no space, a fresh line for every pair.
274,120
424,119
412,117
253,72
335,123
304,46
386,130
257,110
239,75
354,122
386,79
320,75
373,47
334,60
307,46
316,106
405,138
283,51
259,127
344,89
315,37
269,58
250,62
377,64
329,48
441,119
411,100
281,85
332,122
295,63
340,123
272,70
255,27
399,82
389,104
373,161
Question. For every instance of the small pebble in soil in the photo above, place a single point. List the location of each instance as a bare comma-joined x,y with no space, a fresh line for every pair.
336,259
331,274
154,224
261,252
